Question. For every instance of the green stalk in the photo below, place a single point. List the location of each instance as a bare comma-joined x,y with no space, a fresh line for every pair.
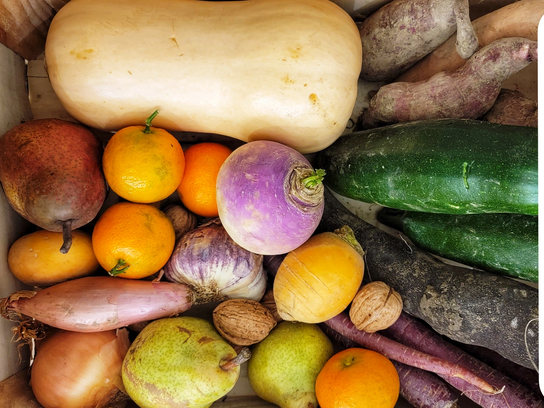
315,178
121,267
149,120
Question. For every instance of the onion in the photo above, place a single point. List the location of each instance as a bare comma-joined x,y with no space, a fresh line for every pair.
270,199
97,303
79,370
215,267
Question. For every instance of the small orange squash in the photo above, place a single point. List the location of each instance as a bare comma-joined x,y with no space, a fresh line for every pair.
35,258
320,278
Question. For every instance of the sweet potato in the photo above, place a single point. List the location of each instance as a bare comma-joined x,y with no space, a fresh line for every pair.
403,31
465,305
466,93
519,19
513,108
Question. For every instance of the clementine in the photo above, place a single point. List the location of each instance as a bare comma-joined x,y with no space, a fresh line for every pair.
197,189
133,240
143,164
357,378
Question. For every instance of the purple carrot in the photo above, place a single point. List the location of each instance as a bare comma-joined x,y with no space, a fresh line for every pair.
416,334
466,93
404,354
523,375
420,388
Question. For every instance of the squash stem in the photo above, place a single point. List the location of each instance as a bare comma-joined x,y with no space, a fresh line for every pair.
347,234
149,120
121,267
315,178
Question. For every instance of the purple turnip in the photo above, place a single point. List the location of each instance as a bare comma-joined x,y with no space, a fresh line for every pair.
269,197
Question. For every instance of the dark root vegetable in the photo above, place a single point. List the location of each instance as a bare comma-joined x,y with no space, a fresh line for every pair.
269,197
414,333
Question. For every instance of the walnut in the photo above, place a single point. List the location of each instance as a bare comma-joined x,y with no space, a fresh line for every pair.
375,307
269,302
242,321
182,219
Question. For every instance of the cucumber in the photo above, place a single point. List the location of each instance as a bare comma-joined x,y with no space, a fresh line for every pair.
450,166
502,243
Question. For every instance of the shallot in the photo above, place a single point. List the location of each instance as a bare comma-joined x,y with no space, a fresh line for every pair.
97,303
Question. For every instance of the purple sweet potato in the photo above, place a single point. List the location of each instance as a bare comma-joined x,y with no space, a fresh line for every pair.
402,32
513,108
466,93
415,334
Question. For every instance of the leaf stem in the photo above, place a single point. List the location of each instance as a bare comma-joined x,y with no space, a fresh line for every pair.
149,120
315,178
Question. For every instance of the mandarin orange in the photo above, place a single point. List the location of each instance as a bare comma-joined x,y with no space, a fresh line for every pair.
143,164
133,240
357,378
197,189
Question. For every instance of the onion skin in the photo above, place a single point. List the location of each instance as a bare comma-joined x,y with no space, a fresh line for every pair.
261,201
215,267
99,303
79,370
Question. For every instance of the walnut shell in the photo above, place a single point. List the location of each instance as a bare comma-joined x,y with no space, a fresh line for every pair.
269,302
182,219
242,321
375,307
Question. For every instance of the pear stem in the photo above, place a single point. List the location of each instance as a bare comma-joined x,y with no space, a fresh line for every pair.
241,358
66,236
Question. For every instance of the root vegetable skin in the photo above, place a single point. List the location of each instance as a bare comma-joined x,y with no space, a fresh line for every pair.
413,333
466,93
402,32
513,108
407,355
98,303
519,19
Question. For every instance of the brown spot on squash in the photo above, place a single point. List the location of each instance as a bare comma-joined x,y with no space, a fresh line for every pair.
83,54
313,98
287,80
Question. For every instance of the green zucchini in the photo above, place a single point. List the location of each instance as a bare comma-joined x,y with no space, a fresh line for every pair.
450,166
501,243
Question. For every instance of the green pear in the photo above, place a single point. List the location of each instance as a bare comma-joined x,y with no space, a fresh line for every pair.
285,364
180,361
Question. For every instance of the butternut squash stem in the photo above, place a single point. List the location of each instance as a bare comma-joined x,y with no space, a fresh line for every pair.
315,178
149,120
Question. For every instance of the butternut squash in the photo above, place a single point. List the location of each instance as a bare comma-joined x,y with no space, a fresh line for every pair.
282,70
